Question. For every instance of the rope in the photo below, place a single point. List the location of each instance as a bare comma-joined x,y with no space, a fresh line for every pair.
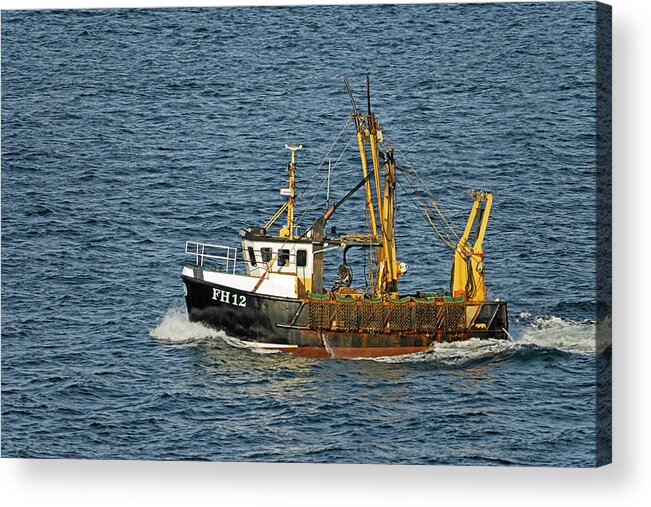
435,205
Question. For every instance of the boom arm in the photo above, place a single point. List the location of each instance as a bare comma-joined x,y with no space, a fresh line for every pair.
467,277
318,236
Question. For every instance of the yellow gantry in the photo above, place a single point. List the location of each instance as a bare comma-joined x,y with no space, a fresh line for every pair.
389,226
387,266
468,262
367,185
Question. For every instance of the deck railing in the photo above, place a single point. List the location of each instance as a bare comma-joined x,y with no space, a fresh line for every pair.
205,251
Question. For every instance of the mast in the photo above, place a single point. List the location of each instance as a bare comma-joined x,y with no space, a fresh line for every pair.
362,133
368,127
288,230
385,268
328,188
389,225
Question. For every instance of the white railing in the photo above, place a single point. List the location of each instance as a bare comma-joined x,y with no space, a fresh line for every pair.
201,251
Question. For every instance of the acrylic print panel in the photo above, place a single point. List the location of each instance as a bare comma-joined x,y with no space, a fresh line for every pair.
128,132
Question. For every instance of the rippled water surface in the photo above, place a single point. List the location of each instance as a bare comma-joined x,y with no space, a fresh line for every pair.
127,132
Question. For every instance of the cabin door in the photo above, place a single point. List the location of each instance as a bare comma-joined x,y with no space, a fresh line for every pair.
303,271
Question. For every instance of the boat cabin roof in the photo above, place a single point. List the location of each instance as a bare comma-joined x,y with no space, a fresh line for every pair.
259,234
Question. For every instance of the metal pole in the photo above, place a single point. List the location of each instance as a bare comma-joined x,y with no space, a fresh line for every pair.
328,190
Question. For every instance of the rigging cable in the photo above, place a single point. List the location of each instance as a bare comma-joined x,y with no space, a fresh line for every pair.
417,174
450,233
309,205
446,241
314,173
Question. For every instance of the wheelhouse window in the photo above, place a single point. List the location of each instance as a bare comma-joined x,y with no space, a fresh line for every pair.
266,254
252,257
283,257
301,258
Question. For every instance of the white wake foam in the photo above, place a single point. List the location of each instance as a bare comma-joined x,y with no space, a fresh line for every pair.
560,334
175,327
551,333
455,353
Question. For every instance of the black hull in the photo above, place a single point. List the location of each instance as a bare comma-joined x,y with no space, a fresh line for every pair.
285,323
254,318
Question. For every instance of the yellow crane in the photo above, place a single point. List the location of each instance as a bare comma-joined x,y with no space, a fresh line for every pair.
467,277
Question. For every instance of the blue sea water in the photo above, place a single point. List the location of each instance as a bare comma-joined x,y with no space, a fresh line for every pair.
127,132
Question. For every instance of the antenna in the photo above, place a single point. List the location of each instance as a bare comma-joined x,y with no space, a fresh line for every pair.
350,94
293,148
368,93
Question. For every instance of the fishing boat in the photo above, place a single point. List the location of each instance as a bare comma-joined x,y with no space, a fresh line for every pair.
270,292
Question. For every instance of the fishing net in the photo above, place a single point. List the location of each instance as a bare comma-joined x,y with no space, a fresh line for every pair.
427,316
455,317
345,316
399,318
319,313
371,316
